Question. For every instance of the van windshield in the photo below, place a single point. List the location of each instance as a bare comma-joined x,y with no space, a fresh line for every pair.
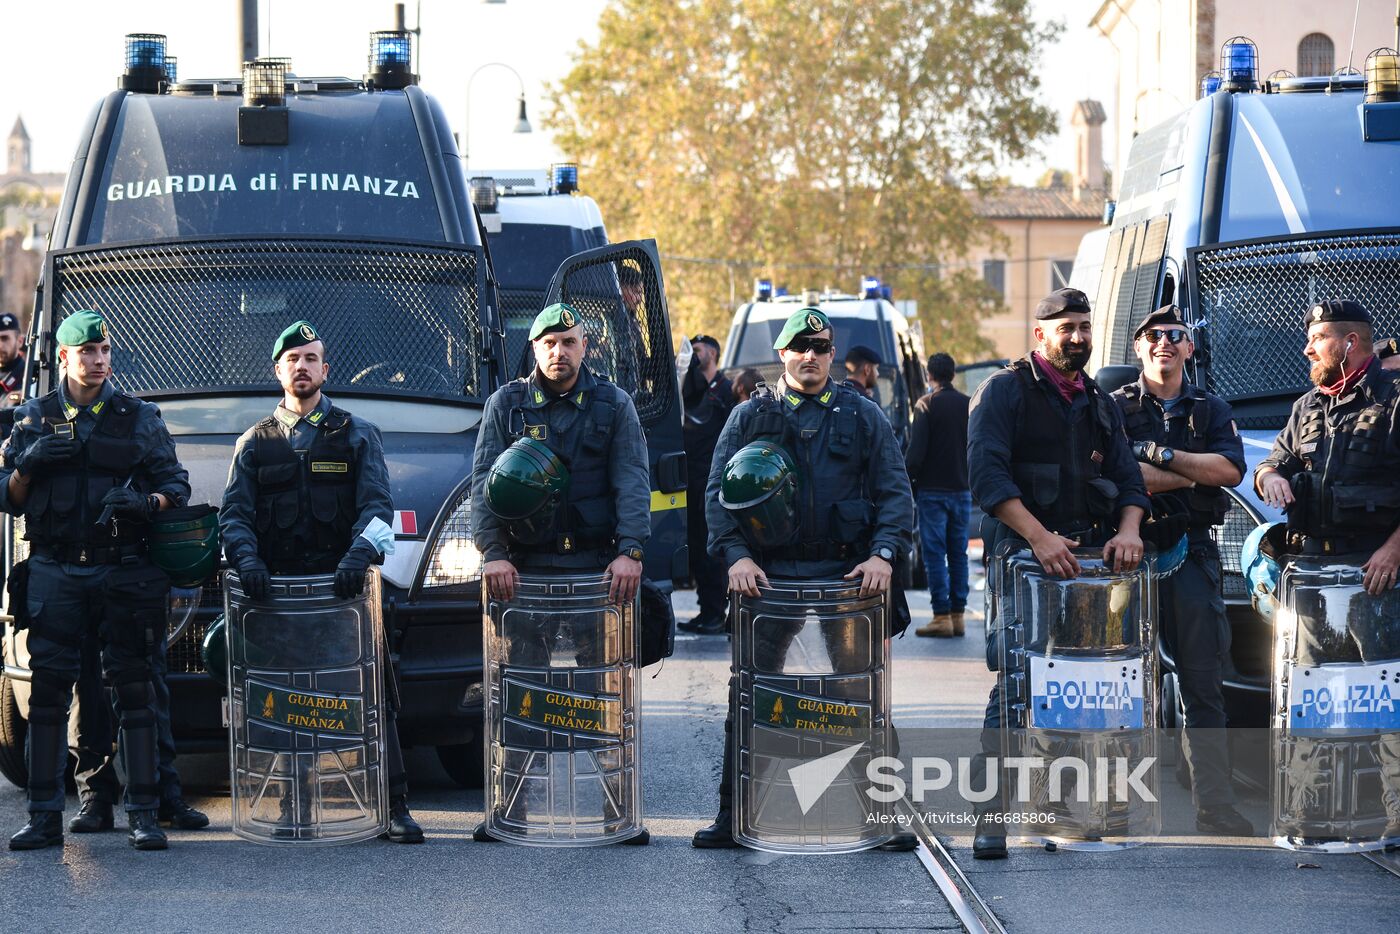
188,317
756,341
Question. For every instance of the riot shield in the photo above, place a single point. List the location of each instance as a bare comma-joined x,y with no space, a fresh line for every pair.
1078,700
306,712
1335,728
813,709
562,727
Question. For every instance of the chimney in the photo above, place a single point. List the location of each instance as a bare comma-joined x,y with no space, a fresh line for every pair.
1087,119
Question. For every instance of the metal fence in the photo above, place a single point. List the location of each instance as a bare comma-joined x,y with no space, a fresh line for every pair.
1252,296
204,314
1229,538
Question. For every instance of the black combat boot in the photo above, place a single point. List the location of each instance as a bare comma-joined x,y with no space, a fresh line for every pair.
402,827
720,834
902,842
1224,820
178,814
481,835
45,828
989,838
145,832
93,816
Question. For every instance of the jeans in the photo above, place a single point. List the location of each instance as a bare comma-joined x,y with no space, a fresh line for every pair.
943,520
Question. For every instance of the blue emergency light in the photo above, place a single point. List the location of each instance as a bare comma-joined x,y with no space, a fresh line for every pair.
563,177
1210,83
1239,64
780,291
886,292
389,49
762,290
869,287
172,69
145,50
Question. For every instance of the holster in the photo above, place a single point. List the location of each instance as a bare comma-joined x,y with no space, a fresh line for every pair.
18,588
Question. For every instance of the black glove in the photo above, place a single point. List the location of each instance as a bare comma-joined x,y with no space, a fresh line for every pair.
127,503
49,449
1150,452
253,576
350,573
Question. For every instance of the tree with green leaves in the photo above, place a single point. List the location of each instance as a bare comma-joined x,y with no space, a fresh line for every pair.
809,141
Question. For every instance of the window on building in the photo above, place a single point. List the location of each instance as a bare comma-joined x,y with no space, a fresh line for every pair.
994,274
1059,273
1316,55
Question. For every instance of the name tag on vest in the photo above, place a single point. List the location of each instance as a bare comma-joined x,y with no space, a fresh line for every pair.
329,467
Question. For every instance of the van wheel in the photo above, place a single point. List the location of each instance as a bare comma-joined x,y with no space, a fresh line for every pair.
464,763
13,729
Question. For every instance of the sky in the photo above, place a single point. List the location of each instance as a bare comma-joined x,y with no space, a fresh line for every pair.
56,79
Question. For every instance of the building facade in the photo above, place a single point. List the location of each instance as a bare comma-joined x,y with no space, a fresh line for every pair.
28,204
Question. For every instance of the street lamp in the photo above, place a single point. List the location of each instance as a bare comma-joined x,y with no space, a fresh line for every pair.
522,123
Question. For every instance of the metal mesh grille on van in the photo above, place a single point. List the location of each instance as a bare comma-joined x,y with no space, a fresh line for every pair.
204,314
1252,296
1229,538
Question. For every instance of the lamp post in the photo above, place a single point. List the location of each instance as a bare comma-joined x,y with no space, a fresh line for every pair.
522,123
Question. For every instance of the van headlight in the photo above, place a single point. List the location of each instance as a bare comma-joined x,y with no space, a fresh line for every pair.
455,559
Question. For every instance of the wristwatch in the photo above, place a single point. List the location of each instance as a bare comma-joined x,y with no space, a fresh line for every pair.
634,553
154,502
1164,456
884,551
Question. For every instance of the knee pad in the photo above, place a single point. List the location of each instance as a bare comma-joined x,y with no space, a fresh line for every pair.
48,690
133,690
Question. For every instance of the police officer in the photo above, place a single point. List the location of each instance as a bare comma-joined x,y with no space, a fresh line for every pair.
1388,352
1188,449
12,361
83,453
846,454
1036,488
862,371
708,398
307,423
1335,470
591,426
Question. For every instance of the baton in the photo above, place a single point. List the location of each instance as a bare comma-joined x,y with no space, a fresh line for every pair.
106,516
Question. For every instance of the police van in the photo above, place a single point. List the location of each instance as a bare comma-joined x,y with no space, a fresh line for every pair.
1260,199
200,217
869,318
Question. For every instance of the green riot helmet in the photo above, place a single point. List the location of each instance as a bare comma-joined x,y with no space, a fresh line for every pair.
214,650
525,487
760,487
185,543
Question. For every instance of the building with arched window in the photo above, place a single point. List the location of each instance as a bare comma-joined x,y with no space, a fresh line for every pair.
1160,49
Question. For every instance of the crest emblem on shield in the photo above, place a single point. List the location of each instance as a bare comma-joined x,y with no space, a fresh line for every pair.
567,317
102,329
814,323
307,333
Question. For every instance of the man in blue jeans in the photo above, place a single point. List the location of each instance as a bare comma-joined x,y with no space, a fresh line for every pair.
937,465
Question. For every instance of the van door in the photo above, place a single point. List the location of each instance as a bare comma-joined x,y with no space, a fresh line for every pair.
619,291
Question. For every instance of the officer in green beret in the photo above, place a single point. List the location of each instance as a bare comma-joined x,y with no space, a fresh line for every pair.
308,428
856,509
87,466
603,519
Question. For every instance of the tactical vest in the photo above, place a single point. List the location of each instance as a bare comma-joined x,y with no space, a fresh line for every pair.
587,516
1056,461
305,504
837,514
1206,506
1349,486
65,499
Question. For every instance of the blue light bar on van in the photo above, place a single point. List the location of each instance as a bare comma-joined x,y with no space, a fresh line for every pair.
762,290
1239,64
869,287
563,177
1210,83
145,50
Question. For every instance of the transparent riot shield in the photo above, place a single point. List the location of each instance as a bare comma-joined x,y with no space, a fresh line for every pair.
811,660
1336,721
562,728
306,712
1078,701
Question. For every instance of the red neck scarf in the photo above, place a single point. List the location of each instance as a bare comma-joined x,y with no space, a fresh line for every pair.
1066,387
1349,381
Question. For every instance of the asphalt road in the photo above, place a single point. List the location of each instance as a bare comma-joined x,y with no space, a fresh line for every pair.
210,879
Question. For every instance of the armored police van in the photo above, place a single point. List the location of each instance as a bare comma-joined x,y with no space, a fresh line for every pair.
202,216
1245,209
870,319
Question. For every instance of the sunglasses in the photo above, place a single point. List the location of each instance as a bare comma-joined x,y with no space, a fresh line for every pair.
1175,335
818,345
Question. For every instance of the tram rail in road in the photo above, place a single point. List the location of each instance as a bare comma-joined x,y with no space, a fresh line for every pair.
974,913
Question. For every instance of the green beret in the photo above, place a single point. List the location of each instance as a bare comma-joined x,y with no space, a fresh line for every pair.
803,321
81,327
298,334
557,317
